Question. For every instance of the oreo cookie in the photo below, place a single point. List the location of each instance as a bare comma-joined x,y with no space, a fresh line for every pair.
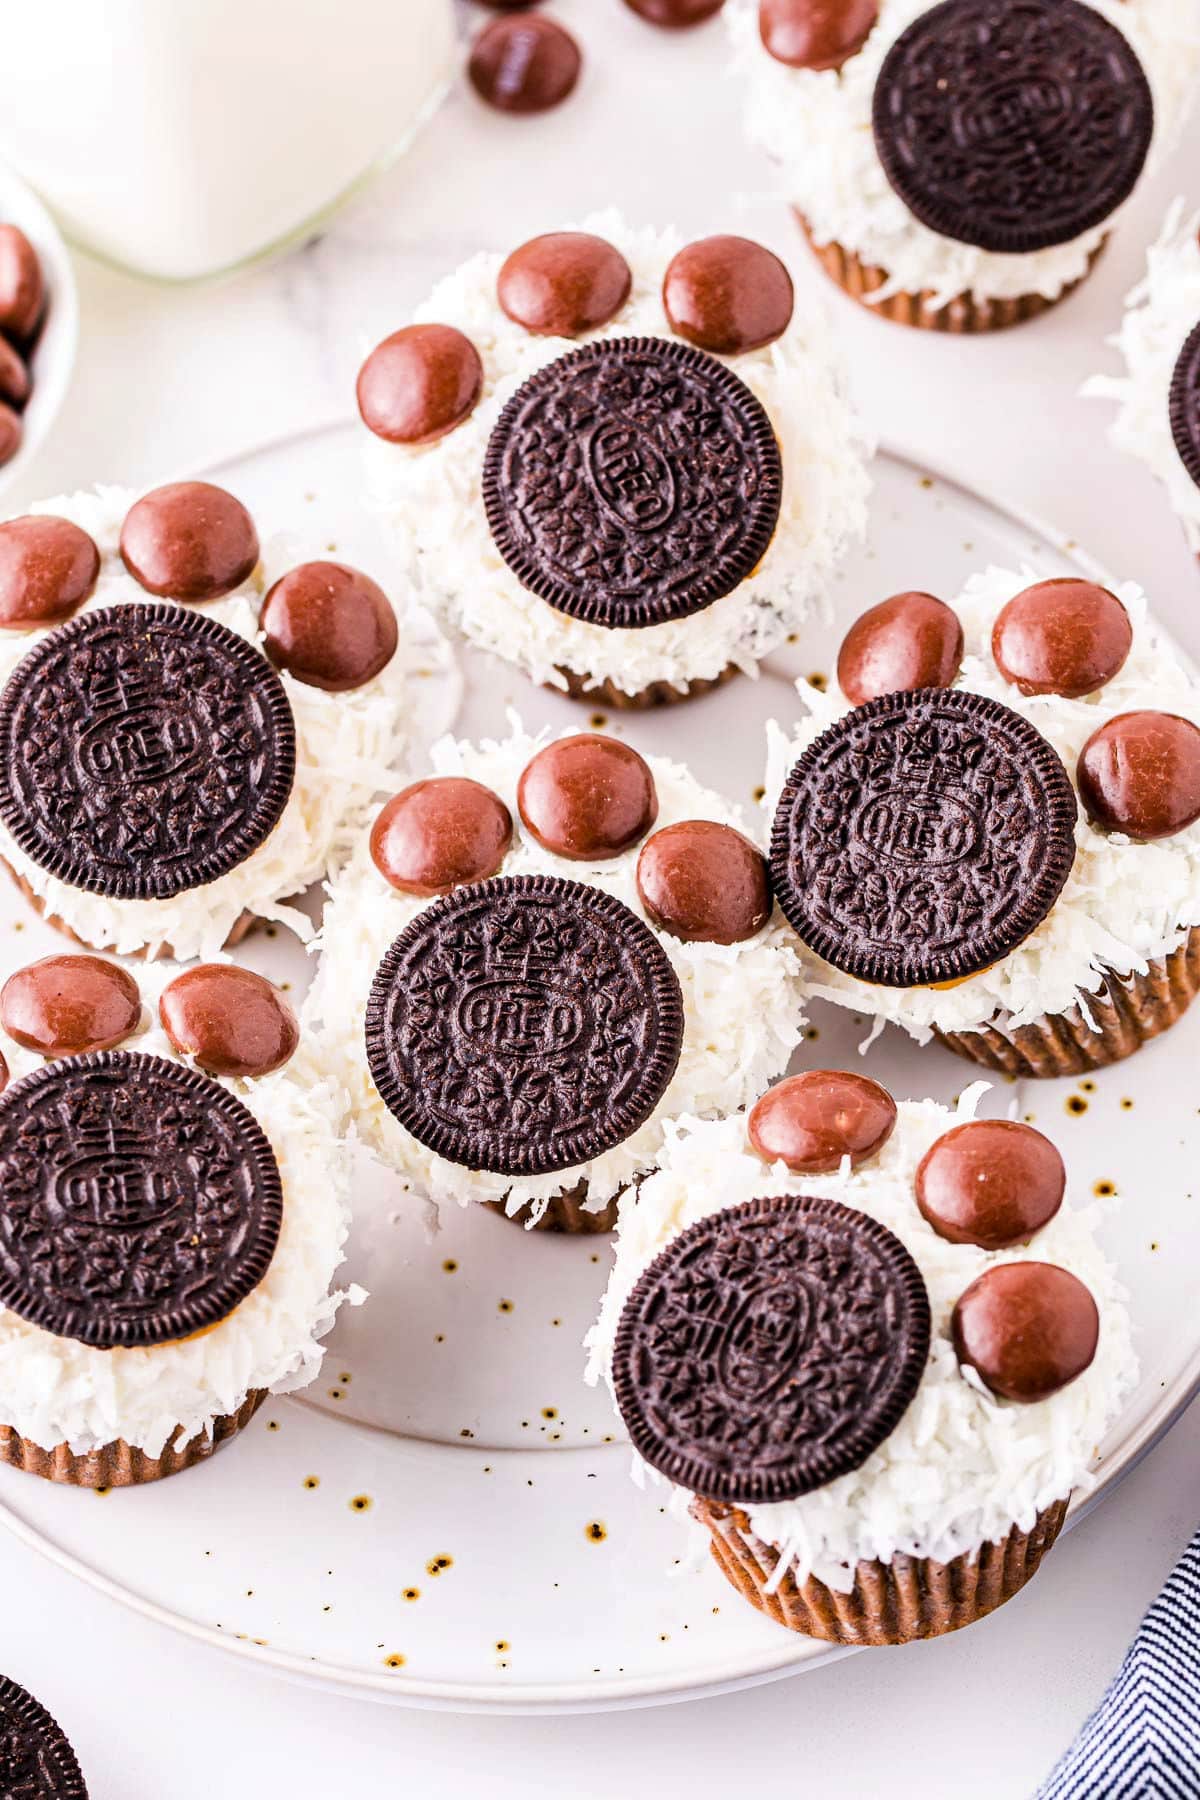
36,1761
632,481
524,1025
770,1348
922,837
140,1202
1183,405
1012,125
144,750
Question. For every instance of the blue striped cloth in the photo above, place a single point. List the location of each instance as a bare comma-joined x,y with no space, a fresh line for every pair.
1143,1740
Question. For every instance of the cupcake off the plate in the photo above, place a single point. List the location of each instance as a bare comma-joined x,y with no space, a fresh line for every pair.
870,1350
537,958
622,463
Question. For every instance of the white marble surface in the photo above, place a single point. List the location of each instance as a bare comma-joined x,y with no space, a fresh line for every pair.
173,379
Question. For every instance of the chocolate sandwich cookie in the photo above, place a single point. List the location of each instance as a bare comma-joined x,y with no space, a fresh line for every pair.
632,481
144,751
1183,402
524,1025
36,1760
1012,125
770,1348
923,837
142,1201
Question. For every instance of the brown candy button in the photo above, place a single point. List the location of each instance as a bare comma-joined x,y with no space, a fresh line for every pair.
587,798
48,567
1140,774
1061,637
991,1182
815,34
329,625
15,385
704,883
563,283
419,384
441,834
727,294
675,15
1027,1328
11,433
68,1005
524,64
810,1122
231,1020
21,289
189,540
910,641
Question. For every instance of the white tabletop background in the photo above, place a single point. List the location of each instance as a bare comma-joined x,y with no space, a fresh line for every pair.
173,379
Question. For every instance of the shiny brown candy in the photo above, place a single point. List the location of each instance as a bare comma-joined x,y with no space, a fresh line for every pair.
67,1005
329,625
815,34
991,1182
48,567
563,283
1027,1329
1140,774
189,540
419,383
15,385
441,834
727,294
675,15
1061,637
230,1020
704,882
811,1121
587,798
22,292
524,64
910,641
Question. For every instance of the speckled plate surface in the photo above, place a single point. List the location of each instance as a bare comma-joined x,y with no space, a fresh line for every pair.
446,1518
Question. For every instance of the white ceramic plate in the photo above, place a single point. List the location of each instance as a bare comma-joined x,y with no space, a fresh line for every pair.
447,1519
54,357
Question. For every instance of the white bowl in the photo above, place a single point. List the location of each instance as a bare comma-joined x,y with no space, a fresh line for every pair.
54,357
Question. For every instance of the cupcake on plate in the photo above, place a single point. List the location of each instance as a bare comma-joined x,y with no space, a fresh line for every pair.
186,739
1158,398
869,1348
991,831
939,193
622,463
175,1210
537,958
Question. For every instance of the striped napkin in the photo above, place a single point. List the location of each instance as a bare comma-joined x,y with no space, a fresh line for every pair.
1143,1740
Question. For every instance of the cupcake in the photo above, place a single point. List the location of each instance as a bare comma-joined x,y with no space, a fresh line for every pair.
185,741
991,832
1158,399
36,1758
940,194
621,463
539,956
175,1209
869,1348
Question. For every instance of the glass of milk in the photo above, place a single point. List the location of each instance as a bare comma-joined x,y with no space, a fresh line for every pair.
179,139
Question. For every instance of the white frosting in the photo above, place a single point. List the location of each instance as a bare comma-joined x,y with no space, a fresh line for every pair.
1161,312
347,750
54,1390
817,125
743,1004
962,1467
432,495
1124,903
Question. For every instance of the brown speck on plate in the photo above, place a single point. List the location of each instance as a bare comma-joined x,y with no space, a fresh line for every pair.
595,1531
1076,1104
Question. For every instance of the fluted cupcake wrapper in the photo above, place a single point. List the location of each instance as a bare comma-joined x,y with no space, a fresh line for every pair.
890,1603
657,693
1128,1011
163,953
120,1464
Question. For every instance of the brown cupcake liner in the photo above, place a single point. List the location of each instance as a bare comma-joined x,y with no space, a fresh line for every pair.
164,952
890,1603
657,693
120,1464
567,1214
1127,1012
965,313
